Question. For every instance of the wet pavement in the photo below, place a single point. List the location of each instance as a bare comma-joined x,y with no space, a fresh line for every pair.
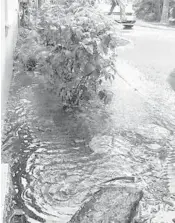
58,159
150,71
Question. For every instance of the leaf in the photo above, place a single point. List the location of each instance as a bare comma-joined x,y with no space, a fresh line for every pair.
68,53
89,48
95,73
67,33
98,63
113,42
79,33
83,87
87,41
100,48
58,58
89,68
105,40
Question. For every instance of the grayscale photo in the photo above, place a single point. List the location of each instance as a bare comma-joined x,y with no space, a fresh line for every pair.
87,111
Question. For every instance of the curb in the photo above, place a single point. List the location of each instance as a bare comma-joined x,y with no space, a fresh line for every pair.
6,192
10,44
155,26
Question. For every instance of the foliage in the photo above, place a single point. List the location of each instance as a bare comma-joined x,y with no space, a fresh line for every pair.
26,50
23,13
151,10
79,50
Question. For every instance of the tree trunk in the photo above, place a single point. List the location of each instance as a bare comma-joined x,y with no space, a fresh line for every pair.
158,10
39,3
122,12
122,5
164,18
114,3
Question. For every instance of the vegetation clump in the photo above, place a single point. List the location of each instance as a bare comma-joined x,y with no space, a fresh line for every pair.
75,50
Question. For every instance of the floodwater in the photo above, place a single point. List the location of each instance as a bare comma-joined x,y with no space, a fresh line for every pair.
57,159
54,164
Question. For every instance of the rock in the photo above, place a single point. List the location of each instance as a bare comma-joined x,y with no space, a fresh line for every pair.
110,204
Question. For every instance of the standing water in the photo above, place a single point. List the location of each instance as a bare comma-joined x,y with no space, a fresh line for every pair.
58,159
53,166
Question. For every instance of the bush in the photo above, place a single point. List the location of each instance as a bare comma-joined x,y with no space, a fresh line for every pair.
79,50
151,17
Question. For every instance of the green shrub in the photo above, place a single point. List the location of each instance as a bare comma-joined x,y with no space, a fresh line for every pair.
73,46
81,50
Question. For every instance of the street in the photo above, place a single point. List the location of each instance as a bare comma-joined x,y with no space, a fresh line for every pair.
152,48
59,158
145,64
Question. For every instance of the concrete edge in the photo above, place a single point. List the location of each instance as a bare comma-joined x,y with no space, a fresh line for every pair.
10,45
6,193
154,26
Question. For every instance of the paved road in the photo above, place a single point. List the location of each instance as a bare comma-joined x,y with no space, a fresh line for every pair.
153,47
147,62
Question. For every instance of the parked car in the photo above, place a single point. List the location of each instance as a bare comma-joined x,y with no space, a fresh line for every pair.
130,17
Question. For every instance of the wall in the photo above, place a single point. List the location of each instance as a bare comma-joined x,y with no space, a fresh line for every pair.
2,39
9,18
9,14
